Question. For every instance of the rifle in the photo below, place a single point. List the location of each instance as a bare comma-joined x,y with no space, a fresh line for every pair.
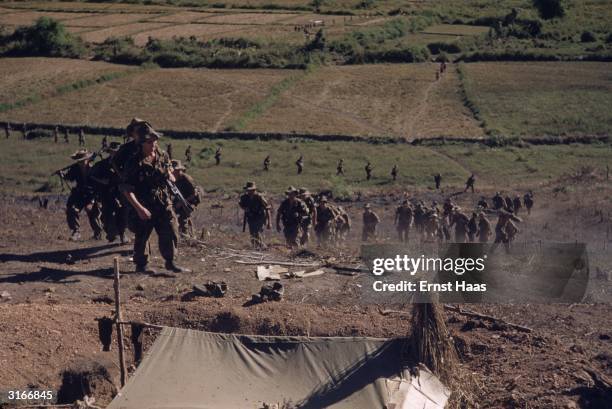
179,196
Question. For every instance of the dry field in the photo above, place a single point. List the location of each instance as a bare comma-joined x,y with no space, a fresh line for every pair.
186,99
133,29
248,18
398,100
25,77
550,98
107,20
16,18
182,17
201,31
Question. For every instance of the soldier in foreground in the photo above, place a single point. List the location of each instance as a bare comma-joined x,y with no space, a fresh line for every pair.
105,180
305,196
145,185
340,168
403,220
324,223
503,232
469,183
218,156
370,221
256,213
81,195
437,180
190,192
266,163
300,164
460,221
292,212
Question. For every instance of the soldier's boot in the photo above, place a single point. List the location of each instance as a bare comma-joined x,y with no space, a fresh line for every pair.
171,266
145,269
124,239
75,236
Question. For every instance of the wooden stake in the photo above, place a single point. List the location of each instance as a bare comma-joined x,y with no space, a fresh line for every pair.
118,320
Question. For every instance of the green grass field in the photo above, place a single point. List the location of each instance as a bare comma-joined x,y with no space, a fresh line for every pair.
25,166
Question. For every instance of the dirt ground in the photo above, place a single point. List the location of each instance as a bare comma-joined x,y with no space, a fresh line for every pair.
58,288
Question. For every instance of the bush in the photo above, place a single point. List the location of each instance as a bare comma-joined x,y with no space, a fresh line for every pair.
549,9
45,38
587,37
609,39
438,47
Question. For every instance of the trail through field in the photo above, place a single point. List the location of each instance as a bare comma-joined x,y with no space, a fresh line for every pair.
421,108
228,111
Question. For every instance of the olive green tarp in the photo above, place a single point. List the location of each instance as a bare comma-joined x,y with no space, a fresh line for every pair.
192,369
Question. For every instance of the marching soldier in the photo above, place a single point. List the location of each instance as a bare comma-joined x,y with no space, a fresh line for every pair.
324,224
509,204
340,168
55,134
106,182
460,221
484,228
528,201
516,203
81,137
24,131
188,154
66,135
370,221
218,156
403,220
437,180
306,197
469,183
343,223
169,150
131,148
502,233
7,130
498,201
256,213
368,170
482,203
105,143
81,195
190,192
145,185
394,172
419,217
472,227
266,163
300,164
292,212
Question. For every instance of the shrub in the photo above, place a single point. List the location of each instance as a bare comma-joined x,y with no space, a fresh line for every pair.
47,38
438,47
587,37
549,9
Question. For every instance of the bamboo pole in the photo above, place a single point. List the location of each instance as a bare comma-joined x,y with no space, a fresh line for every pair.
118,320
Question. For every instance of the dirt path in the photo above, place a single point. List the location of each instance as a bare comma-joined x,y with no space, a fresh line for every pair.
421,108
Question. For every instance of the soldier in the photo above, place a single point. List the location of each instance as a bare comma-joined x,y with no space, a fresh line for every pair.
66,136
300,164
24,131
368,170
340,168
324,225
484,228
498,201
55,134
342,223
256,213
81,195
512,230
469,184
131,148
438,180
81,137
145,184
509,204
370,221
482,203
431,225
266,163
502,234
292,212
472,227
460,221
306,197
403,220
7,130
169,150
419,217
448,208
188,154
218,156
528,201
105,143
190,192
516,203
394,172
105,180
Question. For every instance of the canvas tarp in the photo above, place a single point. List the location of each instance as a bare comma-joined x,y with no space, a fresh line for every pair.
192,369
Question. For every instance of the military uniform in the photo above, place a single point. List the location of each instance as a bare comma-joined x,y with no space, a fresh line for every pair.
105,180
81,197
340,168
370,221
498,201
482,203
218,156
188,154
292,213
307,221
472,227
469,184
66,136
55,134
324,226
7,130
266,163
484,229
256,213
438,180
368,170
528,201
516,203
300,165
460,221
394,172
189,190
403,220
81,138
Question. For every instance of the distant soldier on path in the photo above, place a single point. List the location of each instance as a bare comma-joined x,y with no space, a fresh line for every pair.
187,186
394,172
368,170
169,151
24,131
7,130
66,135
437,180
55,134
340,168
528,201
218,156
256,213
469,184
403,220
104,143
292,212
300,164
498,201
188,154
266,163
370,221
81,137
516,203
